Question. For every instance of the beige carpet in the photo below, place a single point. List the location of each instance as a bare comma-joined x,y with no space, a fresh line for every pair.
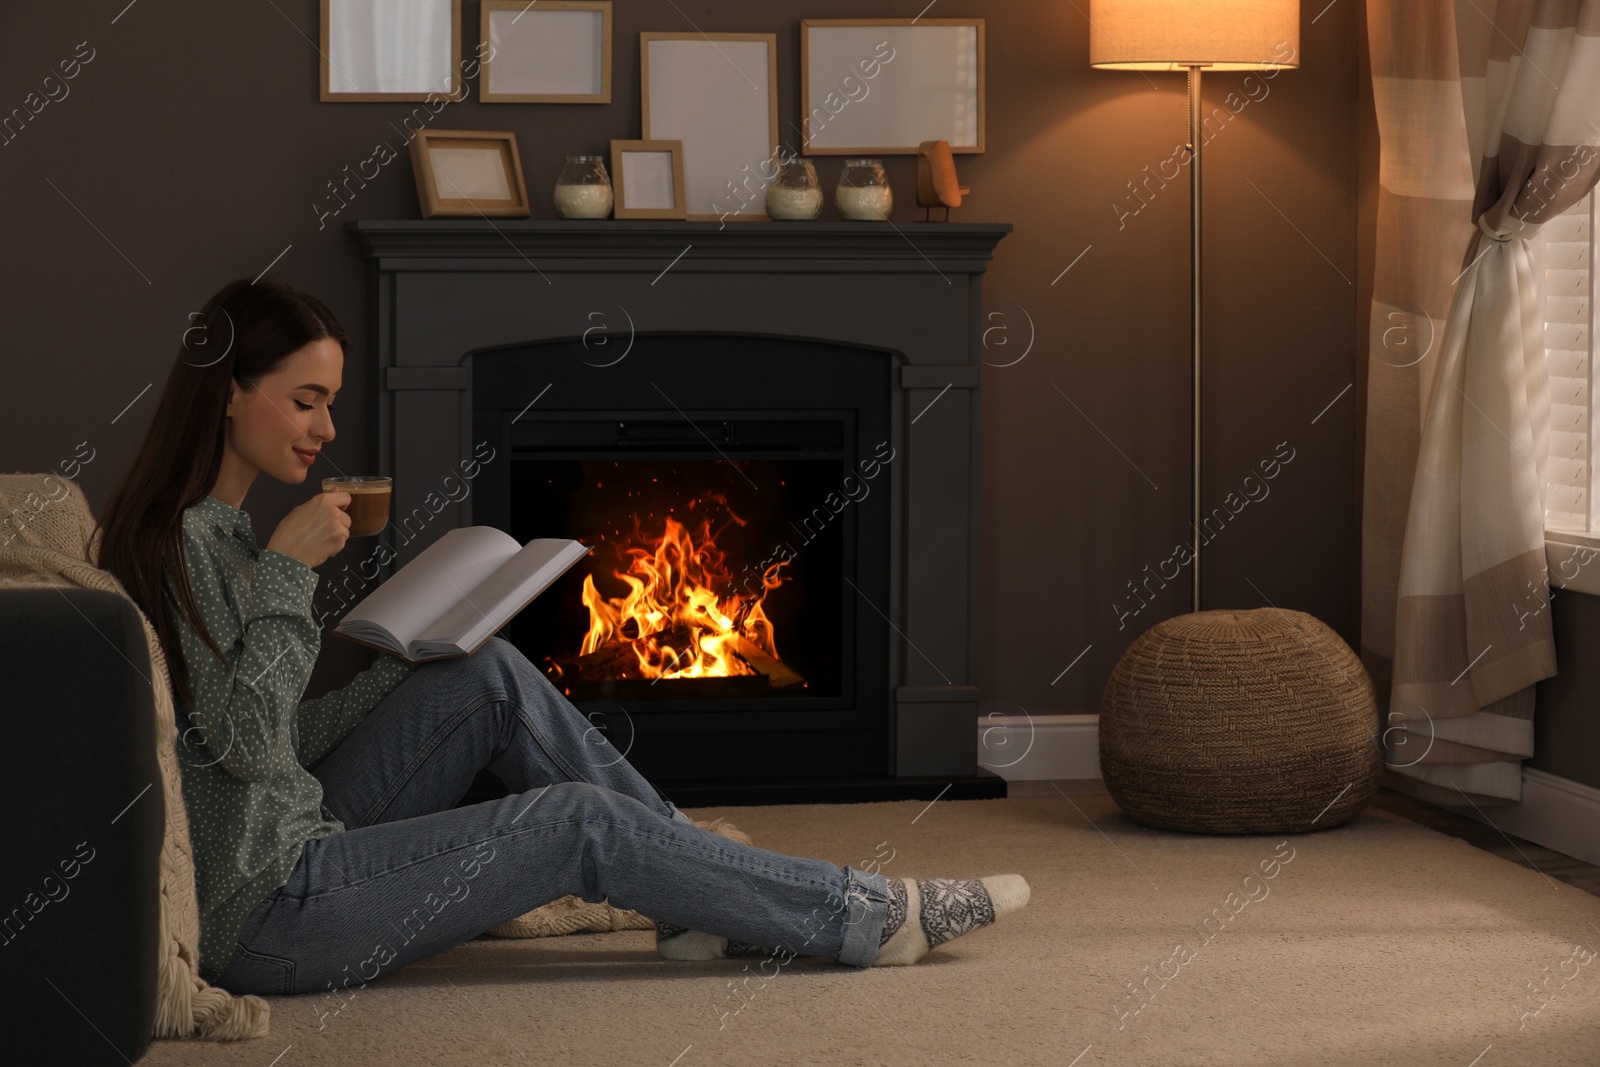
1379,942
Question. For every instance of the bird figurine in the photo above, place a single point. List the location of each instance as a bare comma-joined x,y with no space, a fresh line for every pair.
936,180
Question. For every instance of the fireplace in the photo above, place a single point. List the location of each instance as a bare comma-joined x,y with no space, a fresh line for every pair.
768,440
723,621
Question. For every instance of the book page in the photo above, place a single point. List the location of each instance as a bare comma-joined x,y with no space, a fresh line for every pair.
413,597
487,606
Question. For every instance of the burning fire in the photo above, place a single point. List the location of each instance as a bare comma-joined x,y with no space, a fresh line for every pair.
671,620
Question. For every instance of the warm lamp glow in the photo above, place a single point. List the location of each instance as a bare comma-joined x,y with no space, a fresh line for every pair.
1173,34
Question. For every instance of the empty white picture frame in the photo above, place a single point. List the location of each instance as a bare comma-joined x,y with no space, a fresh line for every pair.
883,86
717,93
552,52
648,178
390,50
474,174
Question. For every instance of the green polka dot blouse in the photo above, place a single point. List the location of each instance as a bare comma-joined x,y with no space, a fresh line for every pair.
246,737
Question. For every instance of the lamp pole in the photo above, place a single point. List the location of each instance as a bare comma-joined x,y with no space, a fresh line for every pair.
1193,70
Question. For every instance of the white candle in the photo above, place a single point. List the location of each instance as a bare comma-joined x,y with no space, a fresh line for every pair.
793,203
870,202
583,201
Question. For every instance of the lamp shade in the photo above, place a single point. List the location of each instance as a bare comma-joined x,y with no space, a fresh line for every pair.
1173,34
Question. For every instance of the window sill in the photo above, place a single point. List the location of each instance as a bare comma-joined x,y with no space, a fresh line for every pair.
1572,560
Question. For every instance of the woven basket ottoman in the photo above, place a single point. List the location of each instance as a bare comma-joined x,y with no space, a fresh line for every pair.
1239,722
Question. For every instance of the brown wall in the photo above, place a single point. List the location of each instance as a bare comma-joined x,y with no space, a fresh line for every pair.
1566,729
194,144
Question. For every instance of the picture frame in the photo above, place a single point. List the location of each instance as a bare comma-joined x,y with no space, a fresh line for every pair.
554,52
858,99
469,174
362,63
717,93
639,185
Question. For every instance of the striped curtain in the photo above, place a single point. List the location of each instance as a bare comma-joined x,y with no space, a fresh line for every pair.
1488,116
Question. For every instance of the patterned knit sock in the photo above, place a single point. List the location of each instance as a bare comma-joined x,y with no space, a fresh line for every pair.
924,913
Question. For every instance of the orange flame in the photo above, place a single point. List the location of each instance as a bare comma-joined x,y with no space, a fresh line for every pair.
671,619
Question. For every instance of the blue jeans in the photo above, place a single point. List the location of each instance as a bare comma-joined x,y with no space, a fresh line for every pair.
411,877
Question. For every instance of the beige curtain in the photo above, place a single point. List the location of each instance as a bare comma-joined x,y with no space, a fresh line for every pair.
1488,114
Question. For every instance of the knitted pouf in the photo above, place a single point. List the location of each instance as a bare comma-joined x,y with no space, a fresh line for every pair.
1237,722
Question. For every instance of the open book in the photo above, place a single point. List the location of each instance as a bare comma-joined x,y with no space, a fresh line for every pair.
457,593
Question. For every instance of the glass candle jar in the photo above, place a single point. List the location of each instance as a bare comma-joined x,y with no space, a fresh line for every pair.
583,190
794,194
863,193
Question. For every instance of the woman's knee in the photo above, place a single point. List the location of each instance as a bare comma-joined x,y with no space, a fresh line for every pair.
506,659
577,798
499,654
498,664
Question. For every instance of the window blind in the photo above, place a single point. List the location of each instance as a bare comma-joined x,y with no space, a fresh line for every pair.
1565,258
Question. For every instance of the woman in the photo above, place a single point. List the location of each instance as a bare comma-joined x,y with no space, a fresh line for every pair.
327,849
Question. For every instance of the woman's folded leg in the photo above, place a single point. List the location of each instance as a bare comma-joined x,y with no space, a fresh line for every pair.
418,751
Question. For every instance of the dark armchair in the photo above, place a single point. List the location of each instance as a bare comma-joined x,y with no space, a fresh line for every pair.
82,825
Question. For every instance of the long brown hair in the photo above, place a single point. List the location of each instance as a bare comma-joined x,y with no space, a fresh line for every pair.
243,333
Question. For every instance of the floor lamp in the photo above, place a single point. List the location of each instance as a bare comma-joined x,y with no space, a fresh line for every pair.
1194,35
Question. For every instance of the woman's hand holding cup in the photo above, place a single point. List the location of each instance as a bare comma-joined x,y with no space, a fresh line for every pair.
315,531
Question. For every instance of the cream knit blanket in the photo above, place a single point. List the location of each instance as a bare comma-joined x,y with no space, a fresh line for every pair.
48,538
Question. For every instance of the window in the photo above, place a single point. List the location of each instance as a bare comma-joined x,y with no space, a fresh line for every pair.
1564,259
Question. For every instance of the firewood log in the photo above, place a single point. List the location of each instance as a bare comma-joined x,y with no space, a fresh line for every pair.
777,672
616,659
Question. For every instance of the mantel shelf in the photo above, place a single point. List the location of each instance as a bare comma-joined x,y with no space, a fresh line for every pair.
961,246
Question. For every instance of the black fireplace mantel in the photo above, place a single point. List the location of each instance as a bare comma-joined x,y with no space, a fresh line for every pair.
442,290
852,247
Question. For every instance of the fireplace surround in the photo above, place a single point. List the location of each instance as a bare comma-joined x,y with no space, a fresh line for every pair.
538,351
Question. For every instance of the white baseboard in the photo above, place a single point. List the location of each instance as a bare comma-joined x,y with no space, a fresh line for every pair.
1554,812
1033,748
